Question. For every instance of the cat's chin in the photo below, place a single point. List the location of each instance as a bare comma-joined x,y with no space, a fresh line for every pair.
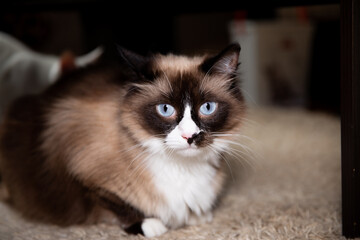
189,152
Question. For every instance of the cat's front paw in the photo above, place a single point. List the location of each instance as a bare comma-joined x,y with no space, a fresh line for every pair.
153,227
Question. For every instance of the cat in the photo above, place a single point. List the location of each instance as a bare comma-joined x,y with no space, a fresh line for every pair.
138,142
24,71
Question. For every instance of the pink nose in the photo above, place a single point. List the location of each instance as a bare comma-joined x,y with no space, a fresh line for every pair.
186,136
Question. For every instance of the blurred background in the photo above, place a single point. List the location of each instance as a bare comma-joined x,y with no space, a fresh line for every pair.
289,58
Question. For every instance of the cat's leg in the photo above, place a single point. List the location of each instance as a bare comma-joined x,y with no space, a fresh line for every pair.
149,227
152,227
204,218
130,218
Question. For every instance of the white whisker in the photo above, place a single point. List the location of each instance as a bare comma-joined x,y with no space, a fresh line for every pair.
130,149
246,148
241,158
142,165
139,155
224,158
252,100
204,78
248,121
238,153
167,79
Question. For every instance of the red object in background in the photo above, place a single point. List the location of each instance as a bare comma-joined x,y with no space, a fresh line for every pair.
240,17
302,14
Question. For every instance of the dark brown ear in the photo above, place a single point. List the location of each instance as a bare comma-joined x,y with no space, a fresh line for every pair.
138,63
226,62
67,62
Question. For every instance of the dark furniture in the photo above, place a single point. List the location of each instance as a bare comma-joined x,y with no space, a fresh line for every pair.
350,116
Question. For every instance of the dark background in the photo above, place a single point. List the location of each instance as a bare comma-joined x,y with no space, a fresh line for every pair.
80,26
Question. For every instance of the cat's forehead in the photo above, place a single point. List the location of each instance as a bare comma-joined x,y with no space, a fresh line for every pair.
178,75
174,64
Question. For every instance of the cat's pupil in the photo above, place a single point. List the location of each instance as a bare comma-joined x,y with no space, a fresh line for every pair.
165,108
208,106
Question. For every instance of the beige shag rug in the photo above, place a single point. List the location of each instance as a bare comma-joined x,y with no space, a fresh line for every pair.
288,186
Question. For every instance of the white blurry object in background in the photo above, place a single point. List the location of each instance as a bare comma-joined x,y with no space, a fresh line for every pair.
23,71
275,59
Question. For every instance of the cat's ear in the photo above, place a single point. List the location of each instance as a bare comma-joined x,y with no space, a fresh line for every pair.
224,63
138,63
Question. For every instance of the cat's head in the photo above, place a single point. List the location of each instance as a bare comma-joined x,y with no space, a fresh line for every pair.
185,106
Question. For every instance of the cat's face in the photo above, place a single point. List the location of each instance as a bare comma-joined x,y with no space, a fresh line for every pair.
187,104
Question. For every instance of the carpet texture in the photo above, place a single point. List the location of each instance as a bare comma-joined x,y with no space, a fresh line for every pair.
286,186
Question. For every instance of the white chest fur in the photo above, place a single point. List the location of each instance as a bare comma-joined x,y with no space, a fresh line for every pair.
186,186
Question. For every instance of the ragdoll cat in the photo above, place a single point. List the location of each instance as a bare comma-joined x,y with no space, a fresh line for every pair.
139,142
24,71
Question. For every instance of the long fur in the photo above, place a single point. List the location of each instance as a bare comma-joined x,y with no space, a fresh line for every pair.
93,146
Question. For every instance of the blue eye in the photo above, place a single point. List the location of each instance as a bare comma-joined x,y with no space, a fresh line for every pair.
165,110
208,108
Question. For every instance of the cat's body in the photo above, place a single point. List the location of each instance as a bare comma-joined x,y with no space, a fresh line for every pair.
141,141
